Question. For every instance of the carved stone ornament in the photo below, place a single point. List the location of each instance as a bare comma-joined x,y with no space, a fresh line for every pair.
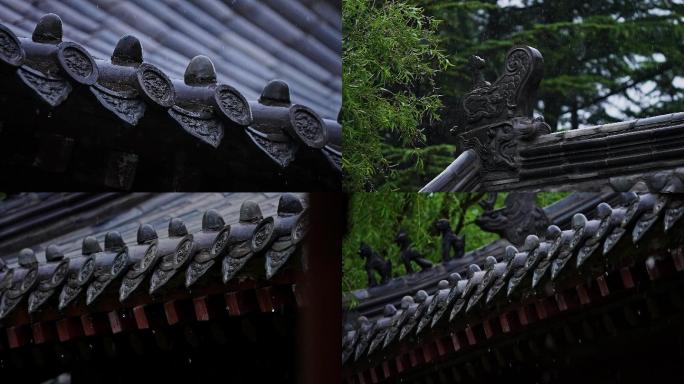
11,52
24,279
126,85
108,266
497,115
144,257
194,110
207,246
51,65
280,128
450,241
81,271
279,235
375,263
235,242
409,255
174,252
51,275
519,217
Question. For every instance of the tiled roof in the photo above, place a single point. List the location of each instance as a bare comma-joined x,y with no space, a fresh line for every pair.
212,244
291,142
507,148
250,42
547,274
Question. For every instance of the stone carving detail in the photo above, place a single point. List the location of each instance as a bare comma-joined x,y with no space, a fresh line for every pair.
498,115
233,105
308,127
77,62
130,110
10,49
208,130
262,234
409,254
51,90
450,241
281,151
499,99
157,87
375,263
169,265
518,218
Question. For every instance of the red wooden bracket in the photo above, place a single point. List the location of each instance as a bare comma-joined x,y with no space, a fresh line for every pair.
120,321
486,325
18,336
470,336
177,311
540,307
241,302
399,363
94,324
299,292
678,259
273,298
505,322
44,332
523,317
202,312
386,369
440,346
561,302
455,342
603,285
582,294
69,328
142,321
413,358
428,352
373,376
627,278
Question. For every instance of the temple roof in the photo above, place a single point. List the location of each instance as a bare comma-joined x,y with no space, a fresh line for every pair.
250,42
605,249
506,148
89,254
132,103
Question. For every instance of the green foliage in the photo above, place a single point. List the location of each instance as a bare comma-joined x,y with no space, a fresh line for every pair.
376,218
592,50
389,51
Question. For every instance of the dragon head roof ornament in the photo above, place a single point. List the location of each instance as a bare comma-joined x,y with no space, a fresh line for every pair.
497,115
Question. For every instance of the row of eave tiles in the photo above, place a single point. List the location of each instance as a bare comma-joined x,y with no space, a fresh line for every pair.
201,92
537,261
298,40
60,280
